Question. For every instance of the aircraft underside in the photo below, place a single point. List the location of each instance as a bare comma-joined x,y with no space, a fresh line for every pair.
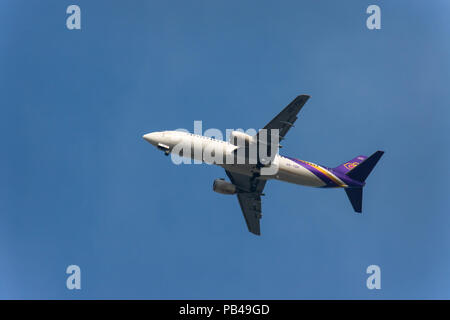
248,178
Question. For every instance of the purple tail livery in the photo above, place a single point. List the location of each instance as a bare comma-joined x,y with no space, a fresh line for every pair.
349,165
361,167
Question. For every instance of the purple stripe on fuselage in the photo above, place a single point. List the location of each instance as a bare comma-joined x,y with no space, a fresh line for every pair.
328,182
347,180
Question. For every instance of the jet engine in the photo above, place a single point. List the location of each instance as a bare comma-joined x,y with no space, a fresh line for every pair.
224,187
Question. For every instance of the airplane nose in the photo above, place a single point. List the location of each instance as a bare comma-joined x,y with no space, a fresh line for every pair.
152,137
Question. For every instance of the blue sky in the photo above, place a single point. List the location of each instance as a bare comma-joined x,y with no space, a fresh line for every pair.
80,186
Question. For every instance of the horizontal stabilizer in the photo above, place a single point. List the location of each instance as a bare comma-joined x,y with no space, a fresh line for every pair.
362,171
355,197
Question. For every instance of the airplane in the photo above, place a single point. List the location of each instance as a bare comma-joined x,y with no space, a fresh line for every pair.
248,183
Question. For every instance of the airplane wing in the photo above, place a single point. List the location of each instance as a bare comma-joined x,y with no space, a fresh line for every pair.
286,118
251,187
249,198
283,122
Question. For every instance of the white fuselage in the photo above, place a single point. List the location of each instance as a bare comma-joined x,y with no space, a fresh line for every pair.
205,149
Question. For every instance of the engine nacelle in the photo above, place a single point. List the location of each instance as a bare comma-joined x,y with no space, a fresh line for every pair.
240,138
224,187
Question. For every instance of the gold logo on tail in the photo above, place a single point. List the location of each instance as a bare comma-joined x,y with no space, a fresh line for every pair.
350,165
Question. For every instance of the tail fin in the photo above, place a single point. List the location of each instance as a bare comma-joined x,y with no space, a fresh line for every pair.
362,171
349,165
355,197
